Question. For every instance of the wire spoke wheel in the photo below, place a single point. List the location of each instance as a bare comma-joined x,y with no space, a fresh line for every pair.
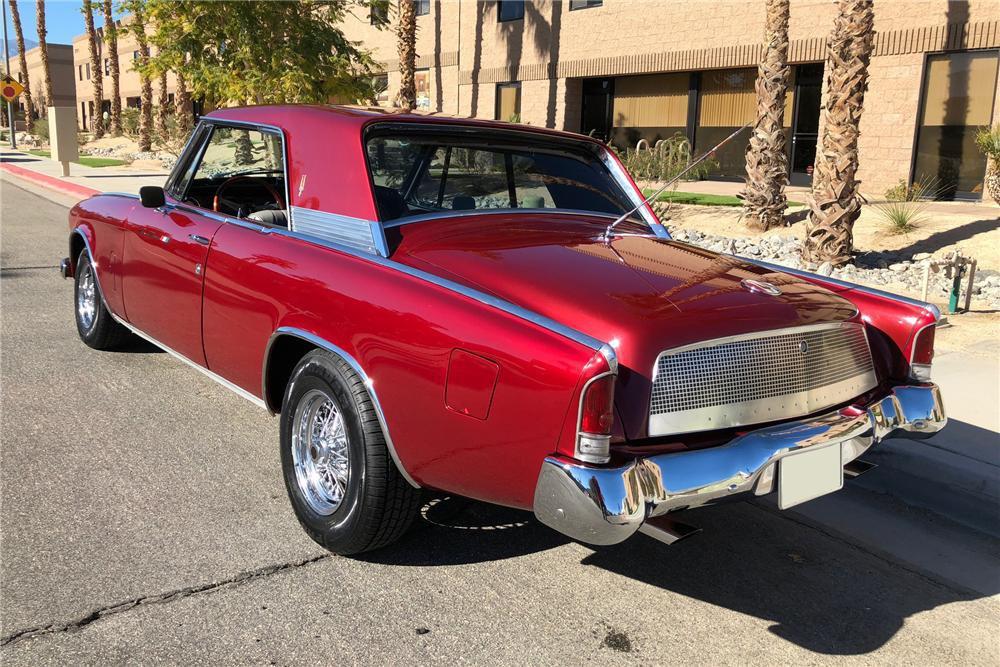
86,298
320,452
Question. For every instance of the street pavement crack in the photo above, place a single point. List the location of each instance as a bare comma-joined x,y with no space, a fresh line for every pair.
160,598
7,269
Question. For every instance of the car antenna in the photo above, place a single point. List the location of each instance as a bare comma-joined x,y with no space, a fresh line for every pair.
702,158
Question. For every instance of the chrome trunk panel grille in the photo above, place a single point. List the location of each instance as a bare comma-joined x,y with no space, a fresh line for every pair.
759,377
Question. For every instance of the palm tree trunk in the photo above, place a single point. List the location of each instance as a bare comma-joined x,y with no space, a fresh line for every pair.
43,51
138,28
834,204
162,107
29,113
406,33
764,197
111,38
96,121
182,99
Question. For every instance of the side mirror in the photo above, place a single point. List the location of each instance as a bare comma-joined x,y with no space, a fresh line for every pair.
152,196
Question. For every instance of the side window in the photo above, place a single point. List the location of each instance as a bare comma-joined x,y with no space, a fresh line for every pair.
239,171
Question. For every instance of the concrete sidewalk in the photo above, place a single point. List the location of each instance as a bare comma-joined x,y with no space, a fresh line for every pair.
48,173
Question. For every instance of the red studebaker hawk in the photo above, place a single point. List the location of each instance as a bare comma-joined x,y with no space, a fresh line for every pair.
449,304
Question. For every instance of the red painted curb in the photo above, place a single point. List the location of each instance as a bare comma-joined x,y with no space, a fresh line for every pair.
50,182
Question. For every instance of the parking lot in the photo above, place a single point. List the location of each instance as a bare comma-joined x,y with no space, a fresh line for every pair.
144,519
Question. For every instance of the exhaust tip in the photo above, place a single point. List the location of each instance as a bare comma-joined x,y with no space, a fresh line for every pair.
667,530
857,468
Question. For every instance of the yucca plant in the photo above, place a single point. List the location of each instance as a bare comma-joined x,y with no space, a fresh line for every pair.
901,217
988,141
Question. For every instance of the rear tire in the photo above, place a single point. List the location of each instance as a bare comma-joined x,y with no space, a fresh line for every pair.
342,482
97,328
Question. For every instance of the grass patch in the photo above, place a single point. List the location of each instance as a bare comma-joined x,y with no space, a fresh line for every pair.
701,199
85,160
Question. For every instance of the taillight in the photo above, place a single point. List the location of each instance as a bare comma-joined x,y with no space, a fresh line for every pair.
597,416
922,354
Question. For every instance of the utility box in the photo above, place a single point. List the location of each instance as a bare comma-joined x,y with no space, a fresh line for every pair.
62,136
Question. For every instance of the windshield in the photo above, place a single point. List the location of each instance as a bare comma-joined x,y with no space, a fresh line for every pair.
422,173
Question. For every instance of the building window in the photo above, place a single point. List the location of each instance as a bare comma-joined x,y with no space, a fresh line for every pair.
422,84
381,86
135,55
584,4
509,102
79,69
956,100
423,7
87,69
378,13
510,10
650,107
107,67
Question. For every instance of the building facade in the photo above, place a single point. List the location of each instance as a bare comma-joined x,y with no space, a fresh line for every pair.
129,82
626,70
61,71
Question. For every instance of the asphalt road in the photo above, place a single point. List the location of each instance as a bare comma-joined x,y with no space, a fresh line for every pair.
144,519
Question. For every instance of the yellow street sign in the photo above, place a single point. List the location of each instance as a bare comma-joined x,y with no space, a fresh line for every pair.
10,88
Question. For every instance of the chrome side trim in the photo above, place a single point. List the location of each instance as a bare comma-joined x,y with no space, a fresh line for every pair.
198,367
607,505
369,384
213,376
929,307
443,215
364,235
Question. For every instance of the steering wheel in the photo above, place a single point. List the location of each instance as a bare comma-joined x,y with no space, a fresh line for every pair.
217,199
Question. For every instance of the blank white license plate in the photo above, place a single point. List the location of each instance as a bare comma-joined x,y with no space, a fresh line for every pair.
809,474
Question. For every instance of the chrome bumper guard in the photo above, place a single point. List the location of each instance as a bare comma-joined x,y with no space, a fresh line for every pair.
601,505
66,268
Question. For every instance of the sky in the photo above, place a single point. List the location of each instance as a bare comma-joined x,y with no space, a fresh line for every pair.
63,21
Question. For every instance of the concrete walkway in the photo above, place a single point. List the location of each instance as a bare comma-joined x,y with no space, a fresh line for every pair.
98,179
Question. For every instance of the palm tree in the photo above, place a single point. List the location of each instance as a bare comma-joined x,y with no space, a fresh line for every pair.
406,32
111,38
162,106
834,204
182,100
29,113
138,28
96,121
43,51
764,197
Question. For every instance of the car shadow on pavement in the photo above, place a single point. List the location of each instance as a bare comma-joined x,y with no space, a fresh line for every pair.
821,593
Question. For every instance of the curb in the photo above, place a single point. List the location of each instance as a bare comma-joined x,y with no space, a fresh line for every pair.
957,487
50,182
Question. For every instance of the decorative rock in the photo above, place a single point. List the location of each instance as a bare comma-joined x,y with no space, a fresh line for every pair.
825,269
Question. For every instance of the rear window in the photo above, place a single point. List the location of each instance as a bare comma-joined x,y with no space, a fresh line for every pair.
428,173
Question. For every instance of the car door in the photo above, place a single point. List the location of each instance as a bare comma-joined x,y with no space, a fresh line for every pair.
165,252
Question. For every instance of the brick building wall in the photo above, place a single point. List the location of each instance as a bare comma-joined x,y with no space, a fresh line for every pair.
553,49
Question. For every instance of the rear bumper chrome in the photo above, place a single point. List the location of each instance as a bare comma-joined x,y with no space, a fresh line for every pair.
606,505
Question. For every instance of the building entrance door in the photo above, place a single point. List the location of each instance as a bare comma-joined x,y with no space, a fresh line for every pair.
805,122
598,102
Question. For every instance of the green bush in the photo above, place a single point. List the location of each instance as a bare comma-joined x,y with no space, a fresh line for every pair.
921,189
130,121
41,129
665,160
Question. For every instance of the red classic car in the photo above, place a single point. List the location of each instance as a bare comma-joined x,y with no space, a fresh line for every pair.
490,310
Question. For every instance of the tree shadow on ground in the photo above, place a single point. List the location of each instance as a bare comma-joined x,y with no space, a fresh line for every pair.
820,592
934,242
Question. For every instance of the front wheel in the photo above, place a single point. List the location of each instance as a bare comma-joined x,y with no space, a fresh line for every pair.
342,482
97,328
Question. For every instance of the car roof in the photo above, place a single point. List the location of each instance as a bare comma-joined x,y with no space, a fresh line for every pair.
289,117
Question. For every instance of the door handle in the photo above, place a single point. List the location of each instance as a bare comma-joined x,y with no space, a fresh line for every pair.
199,239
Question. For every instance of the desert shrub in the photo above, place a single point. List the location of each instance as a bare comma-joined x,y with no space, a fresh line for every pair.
988,141
923,188
130,121
41,129
665,160
901,217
